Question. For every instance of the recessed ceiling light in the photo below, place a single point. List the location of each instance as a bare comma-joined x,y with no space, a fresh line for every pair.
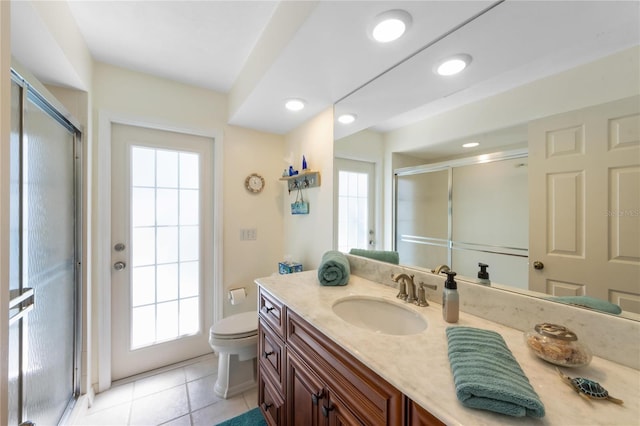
294,104
390,25
470,145
347,118
453,65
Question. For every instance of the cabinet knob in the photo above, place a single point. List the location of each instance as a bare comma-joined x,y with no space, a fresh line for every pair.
326,410
317,396
266,354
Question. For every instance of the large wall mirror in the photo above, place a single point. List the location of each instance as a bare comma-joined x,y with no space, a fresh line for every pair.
552,97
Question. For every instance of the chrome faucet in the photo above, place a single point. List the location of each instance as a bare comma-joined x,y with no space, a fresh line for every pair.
407,287
440,268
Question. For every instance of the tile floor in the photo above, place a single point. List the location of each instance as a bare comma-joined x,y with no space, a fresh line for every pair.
180,395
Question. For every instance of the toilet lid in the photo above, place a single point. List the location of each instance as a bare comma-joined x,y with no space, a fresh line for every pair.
237,326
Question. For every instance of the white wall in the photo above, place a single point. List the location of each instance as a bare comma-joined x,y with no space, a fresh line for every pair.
307,237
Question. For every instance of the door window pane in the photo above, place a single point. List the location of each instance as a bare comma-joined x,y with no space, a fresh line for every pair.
353,205
165,219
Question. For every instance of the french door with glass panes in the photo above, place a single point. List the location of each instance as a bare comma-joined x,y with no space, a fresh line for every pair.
161,225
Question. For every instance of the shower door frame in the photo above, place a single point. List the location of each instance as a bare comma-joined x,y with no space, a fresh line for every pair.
41,97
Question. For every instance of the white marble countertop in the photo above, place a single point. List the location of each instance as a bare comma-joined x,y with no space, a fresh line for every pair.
418,364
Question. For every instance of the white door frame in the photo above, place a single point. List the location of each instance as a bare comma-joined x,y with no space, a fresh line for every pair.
103,226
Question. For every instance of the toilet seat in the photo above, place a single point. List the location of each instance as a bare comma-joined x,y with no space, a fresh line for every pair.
236,326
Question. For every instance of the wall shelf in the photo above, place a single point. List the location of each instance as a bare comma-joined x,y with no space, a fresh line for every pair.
306,179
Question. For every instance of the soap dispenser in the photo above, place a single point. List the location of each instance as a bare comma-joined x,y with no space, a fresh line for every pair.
450,300
483,275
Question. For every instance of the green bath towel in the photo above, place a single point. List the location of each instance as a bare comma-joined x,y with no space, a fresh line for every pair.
381,255
334,269
487,376
589,302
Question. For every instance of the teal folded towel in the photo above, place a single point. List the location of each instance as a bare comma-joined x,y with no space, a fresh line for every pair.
334,269
381,255
589,302
487,376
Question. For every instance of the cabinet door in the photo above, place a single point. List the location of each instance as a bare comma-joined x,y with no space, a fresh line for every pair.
305,394
338,414
418,416
366,394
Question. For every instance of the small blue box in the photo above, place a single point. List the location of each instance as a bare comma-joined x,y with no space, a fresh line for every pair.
289,267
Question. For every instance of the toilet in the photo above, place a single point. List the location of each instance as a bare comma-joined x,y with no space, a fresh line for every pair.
235,340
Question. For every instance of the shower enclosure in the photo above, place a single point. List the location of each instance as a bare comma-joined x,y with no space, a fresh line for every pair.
45,251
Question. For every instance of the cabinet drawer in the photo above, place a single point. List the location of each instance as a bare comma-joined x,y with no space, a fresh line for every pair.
272,354
272,311
371,398
270,400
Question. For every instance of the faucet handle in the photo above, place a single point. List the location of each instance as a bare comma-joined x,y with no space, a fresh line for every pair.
431,286
422,298
402,294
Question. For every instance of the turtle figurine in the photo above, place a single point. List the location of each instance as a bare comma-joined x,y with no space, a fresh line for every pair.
588,389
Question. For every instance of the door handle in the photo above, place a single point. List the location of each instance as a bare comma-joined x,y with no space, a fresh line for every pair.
119,266
538,265
23,300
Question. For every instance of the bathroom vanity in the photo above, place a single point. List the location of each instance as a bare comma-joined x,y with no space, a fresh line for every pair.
316,368
307,379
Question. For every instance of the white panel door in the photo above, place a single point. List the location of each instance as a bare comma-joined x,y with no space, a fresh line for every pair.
161,251
584,177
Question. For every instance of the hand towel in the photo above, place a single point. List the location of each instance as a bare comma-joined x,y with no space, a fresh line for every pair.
334,269
381,255
487,376
589,302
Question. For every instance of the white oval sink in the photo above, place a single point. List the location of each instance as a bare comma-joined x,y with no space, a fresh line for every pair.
379,315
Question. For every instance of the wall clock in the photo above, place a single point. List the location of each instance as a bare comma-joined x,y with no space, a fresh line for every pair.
254,183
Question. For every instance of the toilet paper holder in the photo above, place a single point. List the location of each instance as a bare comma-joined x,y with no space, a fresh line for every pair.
237,295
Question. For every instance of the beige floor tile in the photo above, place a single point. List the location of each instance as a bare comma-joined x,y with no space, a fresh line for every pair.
114,396
201,392
159,382
117,415
200,369
160,407
251,397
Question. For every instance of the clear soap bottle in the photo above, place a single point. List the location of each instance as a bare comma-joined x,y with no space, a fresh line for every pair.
450,299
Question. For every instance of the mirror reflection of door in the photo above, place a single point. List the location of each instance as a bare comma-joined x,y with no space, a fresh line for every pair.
355,182
585,199
161,216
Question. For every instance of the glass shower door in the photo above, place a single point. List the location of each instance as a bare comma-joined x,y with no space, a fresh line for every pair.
43,263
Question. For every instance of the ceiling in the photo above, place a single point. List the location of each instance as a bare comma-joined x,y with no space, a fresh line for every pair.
263,52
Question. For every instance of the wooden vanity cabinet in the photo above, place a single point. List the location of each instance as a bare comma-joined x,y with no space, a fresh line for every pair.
306,379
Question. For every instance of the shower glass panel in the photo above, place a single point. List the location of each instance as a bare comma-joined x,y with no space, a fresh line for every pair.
422,219
42,340
14,256
48,256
